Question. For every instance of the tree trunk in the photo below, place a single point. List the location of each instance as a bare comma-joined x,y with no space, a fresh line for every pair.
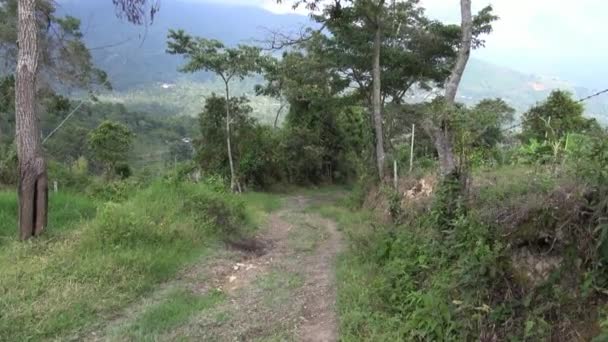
33,181
377,102
282,105
234,186
442,136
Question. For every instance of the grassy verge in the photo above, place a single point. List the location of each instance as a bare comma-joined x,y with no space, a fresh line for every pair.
51,288
67,210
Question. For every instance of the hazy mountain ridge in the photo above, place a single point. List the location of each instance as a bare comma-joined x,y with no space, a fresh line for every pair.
138,66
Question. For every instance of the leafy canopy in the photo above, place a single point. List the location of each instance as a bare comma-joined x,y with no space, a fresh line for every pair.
111,142
555,117
212,55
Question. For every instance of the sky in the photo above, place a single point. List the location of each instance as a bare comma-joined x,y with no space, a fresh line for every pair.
555,38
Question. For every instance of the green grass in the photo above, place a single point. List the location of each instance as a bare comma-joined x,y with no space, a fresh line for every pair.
278,286
260,204
66,211
306,236
175,310
51,288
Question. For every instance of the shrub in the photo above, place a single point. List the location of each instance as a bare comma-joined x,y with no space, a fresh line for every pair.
114,191
8,165
73,177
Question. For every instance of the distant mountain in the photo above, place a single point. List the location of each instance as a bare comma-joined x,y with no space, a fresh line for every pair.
140,69
134,56
521,91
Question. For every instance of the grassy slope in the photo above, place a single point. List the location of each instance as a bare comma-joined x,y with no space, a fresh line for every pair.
56,286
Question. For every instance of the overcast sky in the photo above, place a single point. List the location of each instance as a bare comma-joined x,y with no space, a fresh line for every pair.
549,37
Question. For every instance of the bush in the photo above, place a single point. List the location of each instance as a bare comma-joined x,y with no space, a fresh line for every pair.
74,177
8,165
114,191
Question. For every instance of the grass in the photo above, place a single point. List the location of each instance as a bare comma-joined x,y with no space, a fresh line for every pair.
278,285
260,204
175,310
66,211
356,303
306,236
52,288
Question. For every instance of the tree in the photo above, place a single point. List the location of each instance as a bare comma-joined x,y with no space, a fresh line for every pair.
212,122
314,144
33,179
555,117
385,48
111,143
21,38
228,63
487,120
43,48
137,11
440,131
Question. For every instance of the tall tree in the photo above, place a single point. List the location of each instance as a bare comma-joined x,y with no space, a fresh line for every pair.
377,105
31,16
33,180
111,142
386,48
555,117
228,63
441,132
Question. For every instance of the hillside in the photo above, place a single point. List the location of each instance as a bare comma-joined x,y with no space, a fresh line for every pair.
138,66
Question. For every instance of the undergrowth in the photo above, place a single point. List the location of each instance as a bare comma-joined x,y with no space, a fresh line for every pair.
430,280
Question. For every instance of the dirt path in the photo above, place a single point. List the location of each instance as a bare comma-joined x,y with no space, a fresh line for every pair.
279,288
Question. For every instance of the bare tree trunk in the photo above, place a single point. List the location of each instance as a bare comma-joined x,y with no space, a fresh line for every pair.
33,181
377,101
282,105
234,186
464,53
442,136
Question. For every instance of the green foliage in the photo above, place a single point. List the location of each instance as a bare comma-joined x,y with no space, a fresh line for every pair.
534,152
212,152
417,53
65,59
74,177
111,143
113,191
212,55
8,164
413,283
557,116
